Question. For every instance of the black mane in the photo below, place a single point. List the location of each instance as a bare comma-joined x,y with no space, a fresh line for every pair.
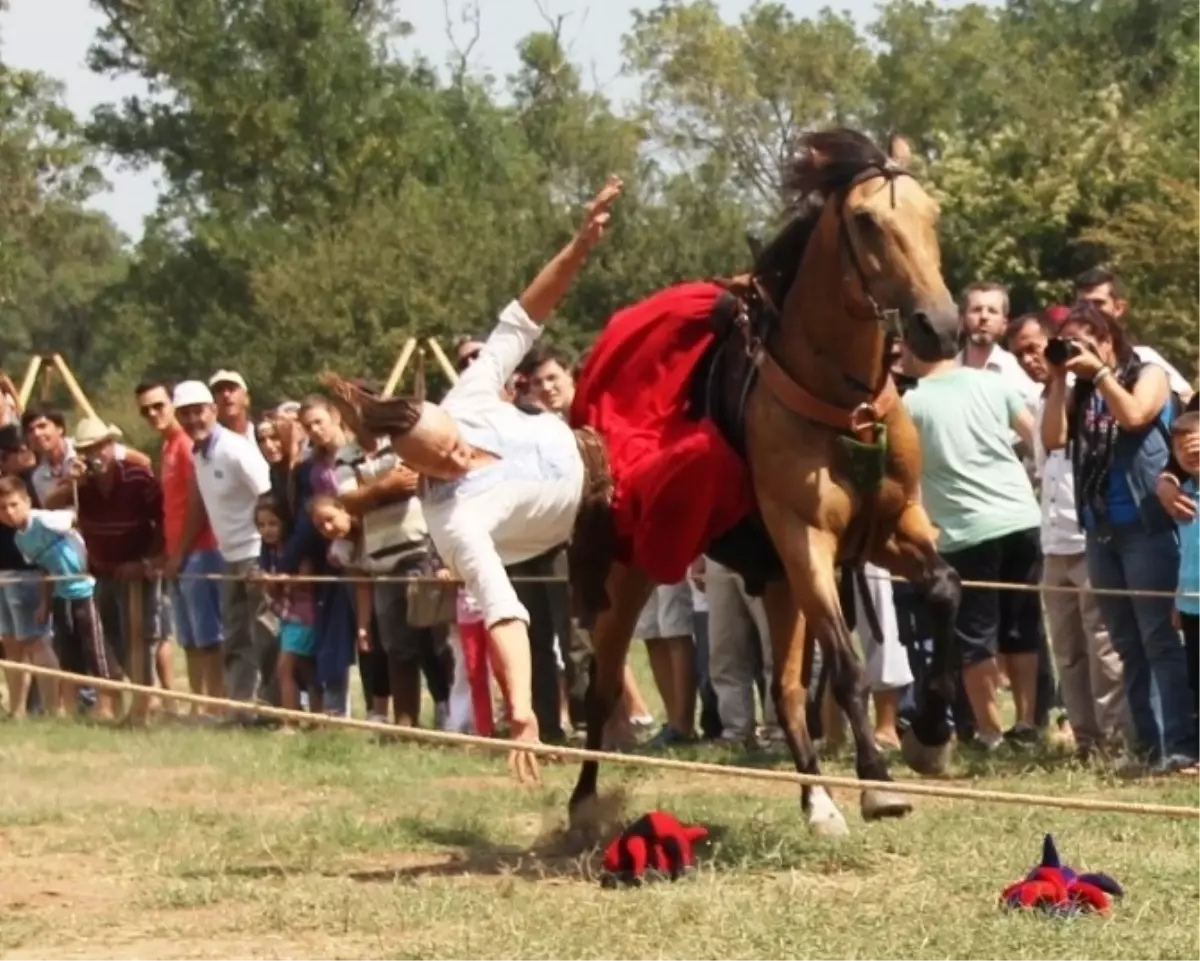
825,162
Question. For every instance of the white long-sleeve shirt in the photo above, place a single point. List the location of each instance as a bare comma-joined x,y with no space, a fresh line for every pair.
524,503
1061,534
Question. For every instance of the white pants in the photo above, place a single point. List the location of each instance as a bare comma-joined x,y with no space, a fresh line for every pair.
735,622
887,660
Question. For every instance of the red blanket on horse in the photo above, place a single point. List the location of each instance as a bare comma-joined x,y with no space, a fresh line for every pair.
678,483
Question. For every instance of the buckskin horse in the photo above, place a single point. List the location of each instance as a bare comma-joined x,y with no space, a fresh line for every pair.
755,420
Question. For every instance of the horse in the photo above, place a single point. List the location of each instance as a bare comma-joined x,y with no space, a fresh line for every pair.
795,377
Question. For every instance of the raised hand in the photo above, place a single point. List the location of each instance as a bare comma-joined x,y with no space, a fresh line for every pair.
599,211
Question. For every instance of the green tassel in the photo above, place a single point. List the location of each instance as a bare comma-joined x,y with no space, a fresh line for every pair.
866,463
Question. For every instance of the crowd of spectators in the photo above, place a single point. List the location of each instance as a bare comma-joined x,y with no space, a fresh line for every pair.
1057,452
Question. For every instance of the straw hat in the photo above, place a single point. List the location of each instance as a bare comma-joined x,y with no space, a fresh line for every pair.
92,431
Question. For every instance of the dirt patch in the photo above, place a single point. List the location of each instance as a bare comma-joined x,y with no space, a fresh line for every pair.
116,945
159,788
477,783
59,881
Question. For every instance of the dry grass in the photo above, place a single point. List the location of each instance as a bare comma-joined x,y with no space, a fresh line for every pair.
199,844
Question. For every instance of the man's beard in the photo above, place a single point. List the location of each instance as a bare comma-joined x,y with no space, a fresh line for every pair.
981,338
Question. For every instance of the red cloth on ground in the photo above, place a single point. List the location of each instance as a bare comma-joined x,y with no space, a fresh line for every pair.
677,483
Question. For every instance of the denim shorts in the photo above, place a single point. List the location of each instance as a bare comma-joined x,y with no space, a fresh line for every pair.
20,595
196,604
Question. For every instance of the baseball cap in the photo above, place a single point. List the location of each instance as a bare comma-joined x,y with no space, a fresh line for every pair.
190,393
227,377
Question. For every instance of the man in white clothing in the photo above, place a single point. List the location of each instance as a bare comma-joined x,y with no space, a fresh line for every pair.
502,485
984,320
230,476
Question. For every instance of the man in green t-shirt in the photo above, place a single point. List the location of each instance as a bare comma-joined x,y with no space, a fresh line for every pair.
979,495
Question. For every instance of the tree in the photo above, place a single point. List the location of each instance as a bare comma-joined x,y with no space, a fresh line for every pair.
739,94
55,256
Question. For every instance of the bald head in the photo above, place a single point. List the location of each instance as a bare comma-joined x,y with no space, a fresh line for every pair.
434,446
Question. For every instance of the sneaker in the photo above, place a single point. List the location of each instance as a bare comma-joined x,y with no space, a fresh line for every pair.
1022,735
771,734
645,721
381,718
669,737
441,715
1130,766
985,743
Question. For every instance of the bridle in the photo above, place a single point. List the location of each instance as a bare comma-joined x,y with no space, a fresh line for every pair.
887,318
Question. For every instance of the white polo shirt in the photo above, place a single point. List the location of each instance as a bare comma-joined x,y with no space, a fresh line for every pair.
232,474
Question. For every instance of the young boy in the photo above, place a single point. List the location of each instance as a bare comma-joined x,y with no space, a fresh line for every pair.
1184,434
49,541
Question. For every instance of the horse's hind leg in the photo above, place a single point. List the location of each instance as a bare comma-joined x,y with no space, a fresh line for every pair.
628,592
911,553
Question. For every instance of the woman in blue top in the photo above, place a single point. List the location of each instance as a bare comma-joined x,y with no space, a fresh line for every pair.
1116,421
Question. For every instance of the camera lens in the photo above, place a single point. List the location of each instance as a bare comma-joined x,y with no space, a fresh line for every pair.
1056,351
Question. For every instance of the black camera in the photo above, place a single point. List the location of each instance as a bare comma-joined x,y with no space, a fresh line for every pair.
94,466
1059,350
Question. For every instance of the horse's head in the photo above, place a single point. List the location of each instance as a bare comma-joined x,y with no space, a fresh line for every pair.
887,225
862,222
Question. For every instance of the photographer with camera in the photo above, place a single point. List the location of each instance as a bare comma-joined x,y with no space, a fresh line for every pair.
1116,419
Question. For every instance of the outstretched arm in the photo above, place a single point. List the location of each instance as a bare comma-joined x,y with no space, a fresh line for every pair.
549,286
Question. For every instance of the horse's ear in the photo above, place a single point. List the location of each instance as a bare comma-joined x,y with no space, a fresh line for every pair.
899,150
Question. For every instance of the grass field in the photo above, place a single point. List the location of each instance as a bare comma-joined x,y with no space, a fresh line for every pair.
194,843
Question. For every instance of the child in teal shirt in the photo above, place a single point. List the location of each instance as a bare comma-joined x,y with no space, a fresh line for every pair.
1184,435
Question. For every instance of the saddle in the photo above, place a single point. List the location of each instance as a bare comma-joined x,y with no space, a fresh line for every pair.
721,386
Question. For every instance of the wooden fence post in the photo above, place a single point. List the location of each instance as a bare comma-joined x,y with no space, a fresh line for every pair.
135,644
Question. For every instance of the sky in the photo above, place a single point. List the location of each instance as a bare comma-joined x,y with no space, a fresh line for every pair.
53,36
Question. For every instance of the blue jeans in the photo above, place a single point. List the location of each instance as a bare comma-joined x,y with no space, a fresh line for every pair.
1152,655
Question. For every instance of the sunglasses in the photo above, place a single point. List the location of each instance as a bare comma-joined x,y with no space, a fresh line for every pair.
466,360
149,409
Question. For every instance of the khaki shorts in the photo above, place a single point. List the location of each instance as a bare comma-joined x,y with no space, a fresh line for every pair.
667,614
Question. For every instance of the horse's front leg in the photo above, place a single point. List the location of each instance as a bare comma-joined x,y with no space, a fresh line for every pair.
809,555
628,591
911,552
792,649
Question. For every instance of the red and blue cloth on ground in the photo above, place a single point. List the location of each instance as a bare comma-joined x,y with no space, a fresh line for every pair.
678,484
1056,889
656,844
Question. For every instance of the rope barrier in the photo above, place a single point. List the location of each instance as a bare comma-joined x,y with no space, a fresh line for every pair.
499,745
6,578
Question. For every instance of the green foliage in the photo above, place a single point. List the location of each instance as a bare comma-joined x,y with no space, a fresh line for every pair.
324,200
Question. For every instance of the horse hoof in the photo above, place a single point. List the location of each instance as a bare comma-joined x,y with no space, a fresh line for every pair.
926,759
824,819
876,804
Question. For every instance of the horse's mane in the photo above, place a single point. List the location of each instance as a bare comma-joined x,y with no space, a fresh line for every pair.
824,162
